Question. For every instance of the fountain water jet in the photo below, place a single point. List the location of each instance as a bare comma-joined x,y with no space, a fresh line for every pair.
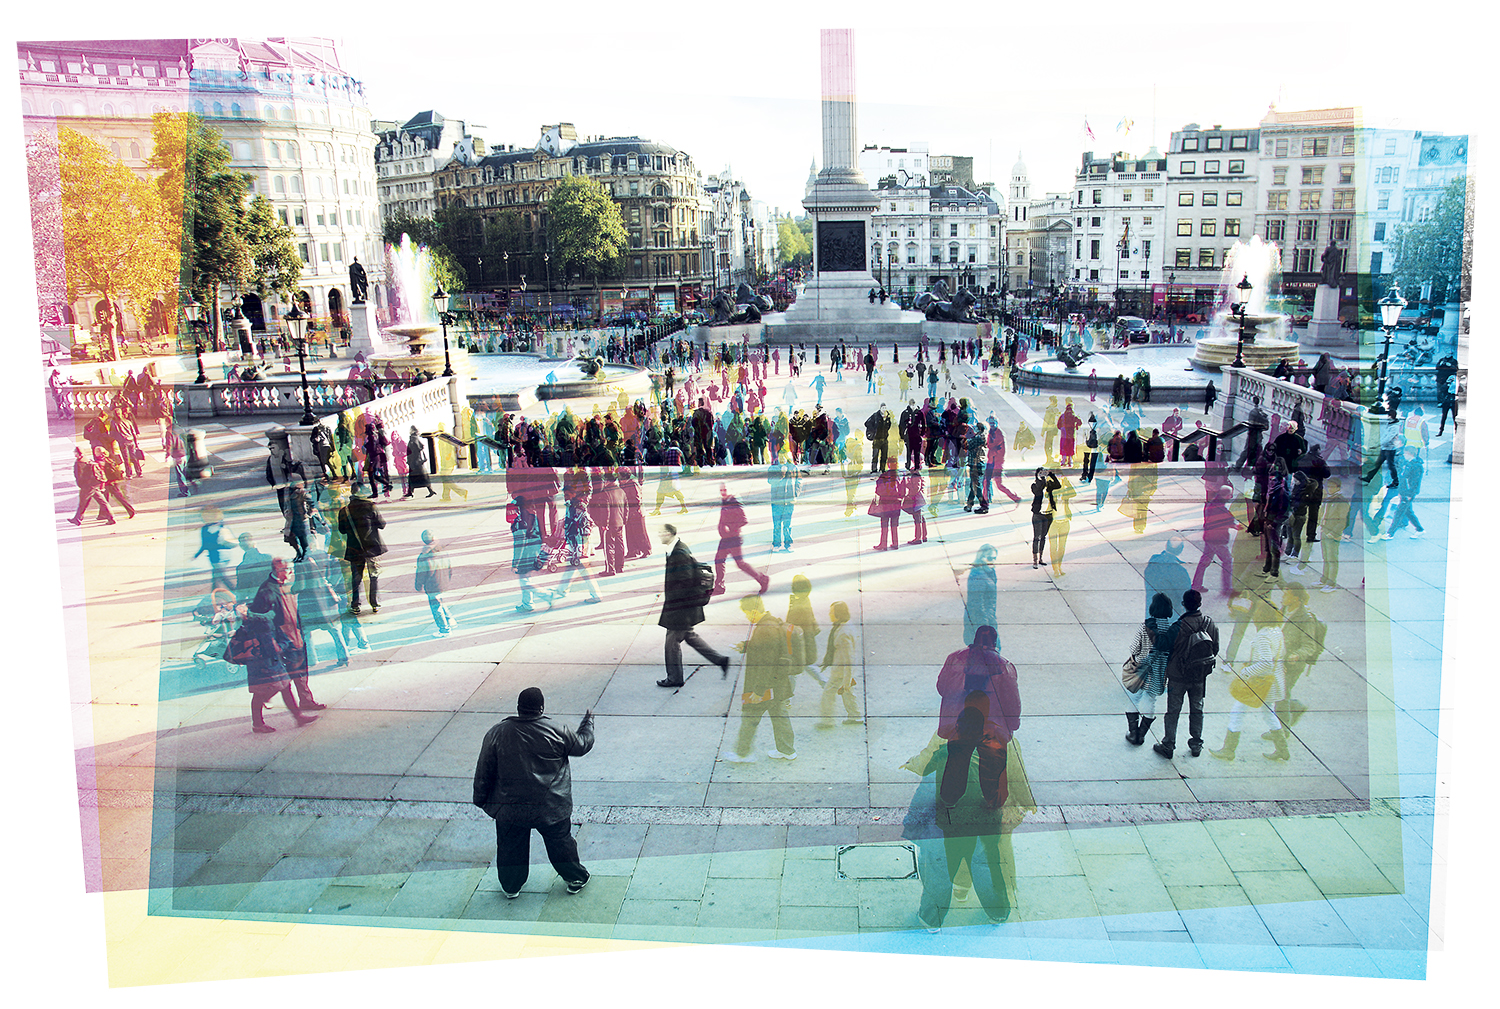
1260,263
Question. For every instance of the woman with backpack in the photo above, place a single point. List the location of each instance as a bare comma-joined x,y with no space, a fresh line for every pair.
1144,675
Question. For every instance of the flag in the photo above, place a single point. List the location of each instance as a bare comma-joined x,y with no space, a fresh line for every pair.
1124,125
1088,129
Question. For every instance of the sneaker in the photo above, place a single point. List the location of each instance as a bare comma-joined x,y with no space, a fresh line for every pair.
778,755
508,895
1389,536
1328,588
735,758
575,887
1418,533
924,923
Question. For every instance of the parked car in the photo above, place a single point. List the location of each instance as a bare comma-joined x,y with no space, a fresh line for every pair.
1134,328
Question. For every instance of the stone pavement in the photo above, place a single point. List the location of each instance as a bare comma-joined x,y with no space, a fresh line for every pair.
1321,864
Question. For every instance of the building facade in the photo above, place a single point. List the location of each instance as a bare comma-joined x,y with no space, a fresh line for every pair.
1118,225
1212,180
657,188
923,234
407,154
295,124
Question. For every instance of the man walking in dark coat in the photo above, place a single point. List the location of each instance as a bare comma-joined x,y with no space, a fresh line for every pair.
1186,677
523,782
360,523
682,610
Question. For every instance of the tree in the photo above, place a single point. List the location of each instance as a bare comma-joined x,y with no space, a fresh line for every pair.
45,188
421,230
121,239
1432,249
195,174
792,246
275,266
585,229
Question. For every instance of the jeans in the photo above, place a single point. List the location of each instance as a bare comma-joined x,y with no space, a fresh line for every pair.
513,852
1194,690
781,725
781,525
1040,523
440,614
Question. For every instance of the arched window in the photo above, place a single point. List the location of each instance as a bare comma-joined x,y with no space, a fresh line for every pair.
275,151
78,109
291,151
286,112
127,110
270,112
297,184
278,184
114,148
218,108
198,108
235,110
109,108
57,108
25,106
135,149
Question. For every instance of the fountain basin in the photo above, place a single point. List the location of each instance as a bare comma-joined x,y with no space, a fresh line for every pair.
1261,350
514,382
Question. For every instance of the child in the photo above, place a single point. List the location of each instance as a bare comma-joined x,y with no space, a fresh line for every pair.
799,614
838,660
433,573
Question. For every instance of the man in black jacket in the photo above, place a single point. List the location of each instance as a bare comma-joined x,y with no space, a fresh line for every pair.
1187,678
681,609
878,431
523,782
361,523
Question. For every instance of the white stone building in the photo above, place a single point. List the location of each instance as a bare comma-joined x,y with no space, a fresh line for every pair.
1212,179
407,154
1118,217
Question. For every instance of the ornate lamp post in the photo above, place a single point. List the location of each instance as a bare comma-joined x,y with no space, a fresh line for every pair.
1238,309
1390,313
297,323
440,302
191,308
547,266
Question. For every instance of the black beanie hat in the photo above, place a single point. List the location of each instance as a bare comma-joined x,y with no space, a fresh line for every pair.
531,701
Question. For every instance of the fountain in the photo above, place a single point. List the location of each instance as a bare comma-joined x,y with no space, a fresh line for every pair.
410,267
1260,262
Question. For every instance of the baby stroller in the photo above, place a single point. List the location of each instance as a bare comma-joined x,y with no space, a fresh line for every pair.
219,614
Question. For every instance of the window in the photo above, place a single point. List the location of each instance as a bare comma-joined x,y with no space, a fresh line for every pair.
1184,225
1341,230
1210,199
937,230
1232,227
1275,230
1307,231
1276,200
278,184
1078,254
1080,222
1236,168
1184,258
1281,148
1210,168
937,256
1188,168
1213,144
320,223
952,231
302,253
282,214
1206,259
1145,222
338,252
1239,143
1207,228
299,217
1310,199
1383,201
1278,175
1347,147
1379,234
911,254
953,254
1343,199
1094,249
973,230
1390,146
973,253
1346,175
1376,261
1094,221
1315,147
1184,199
1098,197
1312,175
323,251
635,188
1150,195
1125,196
1190,143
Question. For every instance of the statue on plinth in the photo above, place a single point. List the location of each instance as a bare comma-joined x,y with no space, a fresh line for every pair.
933,305
359,284
1333,265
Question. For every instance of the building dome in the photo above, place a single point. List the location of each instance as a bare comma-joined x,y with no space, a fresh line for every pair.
1018,170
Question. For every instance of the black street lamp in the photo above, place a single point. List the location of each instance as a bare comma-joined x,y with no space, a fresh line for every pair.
1390,313
440,302
191,308
547,265
297,323
1238,309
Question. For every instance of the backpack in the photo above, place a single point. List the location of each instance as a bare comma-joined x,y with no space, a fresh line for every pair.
703,574
1093,438
1198,656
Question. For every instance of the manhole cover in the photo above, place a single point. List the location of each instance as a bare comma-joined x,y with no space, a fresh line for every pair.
876,861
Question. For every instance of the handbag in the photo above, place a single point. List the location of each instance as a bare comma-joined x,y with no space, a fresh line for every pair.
1252,691
1131,677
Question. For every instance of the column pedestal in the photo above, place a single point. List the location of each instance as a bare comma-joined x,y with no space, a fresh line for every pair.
364,331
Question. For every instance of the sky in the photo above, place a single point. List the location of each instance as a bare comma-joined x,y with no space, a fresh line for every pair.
738,86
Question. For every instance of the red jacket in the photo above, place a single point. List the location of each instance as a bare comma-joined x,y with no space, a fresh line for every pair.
1001,704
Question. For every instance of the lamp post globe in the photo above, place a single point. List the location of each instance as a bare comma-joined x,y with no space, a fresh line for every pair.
190,309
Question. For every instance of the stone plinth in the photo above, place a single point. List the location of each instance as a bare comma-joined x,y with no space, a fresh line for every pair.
364,331
1325,331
